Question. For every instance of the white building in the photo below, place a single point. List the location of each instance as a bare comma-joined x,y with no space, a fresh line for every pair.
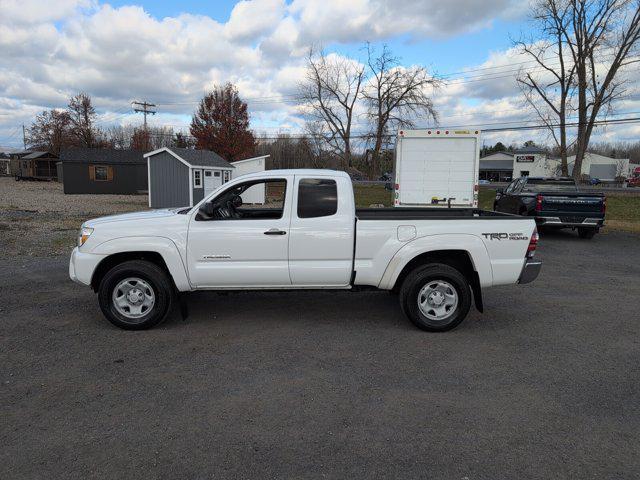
527,162
533,162
257,194
601,167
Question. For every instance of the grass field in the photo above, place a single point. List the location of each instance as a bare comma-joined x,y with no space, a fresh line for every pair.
623,211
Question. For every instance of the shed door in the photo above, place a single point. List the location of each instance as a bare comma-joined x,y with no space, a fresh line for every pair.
212,180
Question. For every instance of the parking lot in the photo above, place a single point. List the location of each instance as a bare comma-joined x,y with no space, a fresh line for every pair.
544,384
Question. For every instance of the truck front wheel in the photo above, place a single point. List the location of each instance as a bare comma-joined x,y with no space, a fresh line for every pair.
135,295
435,297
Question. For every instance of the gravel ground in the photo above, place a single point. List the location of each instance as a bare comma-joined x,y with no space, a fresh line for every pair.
37,218
48,197
544,384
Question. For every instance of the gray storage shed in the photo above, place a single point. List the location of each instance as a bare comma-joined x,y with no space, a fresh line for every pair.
181,177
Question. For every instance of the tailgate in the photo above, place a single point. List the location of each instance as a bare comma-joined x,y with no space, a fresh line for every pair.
578,203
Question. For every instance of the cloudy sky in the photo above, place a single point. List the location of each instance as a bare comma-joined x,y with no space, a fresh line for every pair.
170,53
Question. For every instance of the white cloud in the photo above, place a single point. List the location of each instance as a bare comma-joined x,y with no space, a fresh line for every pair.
251,19
51,50
37,11
358,20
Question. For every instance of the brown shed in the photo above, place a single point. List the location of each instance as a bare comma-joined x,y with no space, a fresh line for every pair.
36,165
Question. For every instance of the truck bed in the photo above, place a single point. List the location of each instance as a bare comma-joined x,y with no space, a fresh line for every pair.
430,214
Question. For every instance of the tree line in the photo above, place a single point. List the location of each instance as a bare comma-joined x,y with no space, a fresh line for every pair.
220,123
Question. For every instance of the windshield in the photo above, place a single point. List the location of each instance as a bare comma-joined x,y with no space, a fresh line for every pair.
542,184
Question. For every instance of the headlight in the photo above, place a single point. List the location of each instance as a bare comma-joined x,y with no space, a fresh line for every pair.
85,233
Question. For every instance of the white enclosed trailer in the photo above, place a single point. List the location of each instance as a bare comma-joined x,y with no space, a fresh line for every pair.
437,167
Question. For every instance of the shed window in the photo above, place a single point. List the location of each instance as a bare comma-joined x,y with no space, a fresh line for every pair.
197,178
100,173
216,174
317,198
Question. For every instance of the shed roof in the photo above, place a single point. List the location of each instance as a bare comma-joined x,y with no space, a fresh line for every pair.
195,158
496,164
101,155
38,154
499,156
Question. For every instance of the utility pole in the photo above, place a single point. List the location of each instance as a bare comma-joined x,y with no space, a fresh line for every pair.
144,108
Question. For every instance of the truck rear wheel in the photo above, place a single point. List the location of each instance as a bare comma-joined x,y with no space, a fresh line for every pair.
135,295
435,297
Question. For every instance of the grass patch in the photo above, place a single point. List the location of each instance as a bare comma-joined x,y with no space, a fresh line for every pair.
486,196
372,195
623,211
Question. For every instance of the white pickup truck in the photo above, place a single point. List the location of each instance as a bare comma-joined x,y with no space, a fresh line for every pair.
301,231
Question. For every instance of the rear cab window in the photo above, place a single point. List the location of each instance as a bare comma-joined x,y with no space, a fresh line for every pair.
544,184
317,197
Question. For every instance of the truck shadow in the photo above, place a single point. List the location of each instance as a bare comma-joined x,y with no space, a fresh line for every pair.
362,309
562,234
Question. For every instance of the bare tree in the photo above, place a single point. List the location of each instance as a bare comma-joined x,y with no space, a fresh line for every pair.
622,168
396,97
554,82
82,115
50,131
589,42
329,93
602,40
286,151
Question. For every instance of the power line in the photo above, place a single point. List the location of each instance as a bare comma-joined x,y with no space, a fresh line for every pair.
145,109
619,121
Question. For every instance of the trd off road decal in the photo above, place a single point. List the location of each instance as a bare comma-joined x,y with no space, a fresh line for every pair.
505,236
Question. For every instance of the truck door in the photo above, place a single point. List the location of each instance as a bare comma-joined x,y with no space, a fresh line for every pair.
507,202
322,231
245,244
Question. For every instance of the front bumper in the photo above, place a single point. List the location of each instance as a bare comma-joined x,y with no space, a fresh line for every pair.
530,271
82,265
569,222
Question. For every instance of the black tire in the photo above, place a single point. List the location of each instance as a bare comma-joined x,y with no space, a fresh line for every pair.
420,278
587,233
155,278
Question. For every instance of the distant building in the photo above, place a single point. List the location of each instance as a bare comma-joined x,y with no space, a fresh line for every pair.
109,171
34,165
534,162
601,167
5,164
528,161
497,167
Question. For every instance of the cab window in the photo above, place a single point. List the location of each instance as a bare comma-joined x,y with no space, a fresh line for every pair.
253,200
317,197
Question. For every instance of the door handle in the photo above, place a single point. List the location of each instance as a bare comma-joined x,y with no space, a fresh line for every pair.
275,231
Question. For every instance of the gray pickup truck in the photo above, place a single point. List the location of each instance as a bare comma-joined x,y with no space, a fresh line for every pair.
554,203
